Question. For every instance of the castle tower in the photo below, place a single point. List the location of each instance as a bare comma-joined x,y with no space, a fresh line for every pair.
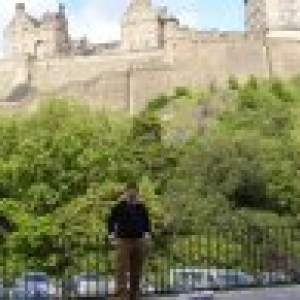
20,8
141,27
39,38
255,15
275,17
19,32
140,3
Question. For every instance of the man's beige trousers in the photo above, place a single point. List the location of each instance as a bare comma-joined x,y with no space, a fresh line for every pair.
130,255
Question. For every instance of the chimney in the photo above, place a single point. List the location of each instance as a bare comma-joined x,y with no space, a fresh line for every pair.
61,9
20,8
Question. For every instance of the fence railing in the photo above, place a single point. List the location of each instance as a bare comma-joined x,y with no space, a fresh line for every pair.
214,258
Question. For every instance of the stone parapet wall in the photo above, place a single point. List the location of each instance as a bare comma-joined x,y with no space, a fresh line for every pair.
127,81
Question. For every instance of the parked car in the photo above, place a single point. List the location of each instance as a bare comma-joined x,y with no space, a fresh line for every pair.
2,291
295,276
33,285
274,277
88,284
229,278
193,279
147,288
91,284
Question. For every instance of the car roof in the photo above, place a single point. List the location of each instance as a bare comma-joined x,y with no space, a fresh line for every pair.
24,276
35,273
210,271
180,270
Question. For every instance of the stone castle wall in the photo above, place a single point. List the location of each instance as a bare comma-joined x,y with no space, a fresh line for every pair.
284,57
126,78
127,81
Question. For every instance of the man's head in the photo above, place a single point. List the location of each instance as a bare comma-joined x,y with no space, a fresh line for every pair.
131,189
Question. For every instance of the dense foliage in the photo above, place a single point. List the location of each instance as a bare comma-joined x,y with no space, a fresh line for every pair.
63,167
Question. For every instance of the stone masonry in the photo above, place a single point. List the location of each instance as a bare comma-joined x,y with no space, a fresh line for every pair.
155,55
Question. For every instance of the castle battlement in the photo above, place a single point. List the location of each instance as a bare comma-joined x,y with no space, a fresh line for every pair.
154,55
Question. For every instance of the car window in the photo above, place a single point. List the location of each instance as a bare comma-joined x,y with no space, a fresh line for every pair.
90,277
35,277
232,278
195,276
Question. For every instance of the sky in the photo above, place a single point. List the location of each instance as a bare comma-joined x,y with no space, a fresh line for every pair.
99,19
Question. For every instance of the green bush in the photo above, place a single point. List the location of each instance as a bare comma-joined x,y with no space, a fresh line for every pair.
64,166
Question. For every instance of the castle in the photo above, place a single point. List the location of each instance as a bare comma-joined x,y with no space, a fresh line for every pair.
154,55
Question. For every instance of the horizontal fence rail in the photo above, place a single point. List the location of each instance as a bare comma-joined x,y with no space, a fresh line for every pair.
214,258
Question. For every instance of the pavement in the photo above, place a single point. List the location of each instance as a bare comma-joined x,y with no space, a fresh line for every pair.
283,293
275,293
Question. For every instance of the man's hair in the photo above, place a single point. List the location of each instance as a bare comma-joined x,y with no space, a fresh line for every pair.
131,185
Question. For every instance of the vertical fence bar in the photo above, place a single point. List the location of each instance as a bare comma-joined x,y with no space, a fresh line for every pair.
64,280
189,260
265,250
251,248
278,254
198,247
96,266
284,251
239,249
105,256
226,258
5,260
169,266
294,258
290,253
208,253
217,237
249,252
272,265
65,250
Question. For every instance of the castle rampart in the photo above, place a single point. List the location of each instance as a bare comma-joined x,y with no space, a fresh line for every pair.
125,74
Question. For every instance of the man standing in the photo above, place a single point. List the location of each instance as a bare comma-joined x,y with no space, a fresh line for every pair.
128,226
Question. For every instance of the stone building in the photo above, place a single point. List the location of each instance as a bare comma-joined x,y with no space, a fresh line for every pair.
154,55
28,36
279,18
143,27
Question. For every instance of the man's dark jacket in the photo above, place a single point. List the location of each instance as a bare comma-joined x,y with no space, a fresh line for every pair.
129,220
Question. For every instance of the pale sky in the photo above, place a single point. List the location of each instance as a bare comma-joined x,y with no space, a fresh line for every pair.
99,19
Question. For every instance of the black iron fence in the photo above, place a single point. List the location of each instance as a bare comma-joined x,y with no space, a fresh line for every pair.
214,258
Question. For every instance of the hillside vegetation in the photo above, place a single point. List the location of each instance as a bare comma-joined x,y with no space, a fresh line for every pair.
222,162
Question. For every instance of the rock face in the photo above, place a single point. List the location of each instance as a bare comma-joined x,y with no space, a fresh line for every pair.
155,55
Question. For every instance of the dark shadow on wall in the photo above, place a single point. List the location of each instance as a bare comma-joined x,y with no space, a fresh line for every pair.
19,93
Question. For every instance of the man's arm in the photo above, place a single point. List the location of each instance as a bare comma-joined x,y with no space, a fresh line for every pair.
112,220
147,223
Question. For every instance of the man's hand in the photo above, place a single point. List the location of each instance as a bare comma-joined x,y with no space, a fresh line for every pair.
112,240
148,238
